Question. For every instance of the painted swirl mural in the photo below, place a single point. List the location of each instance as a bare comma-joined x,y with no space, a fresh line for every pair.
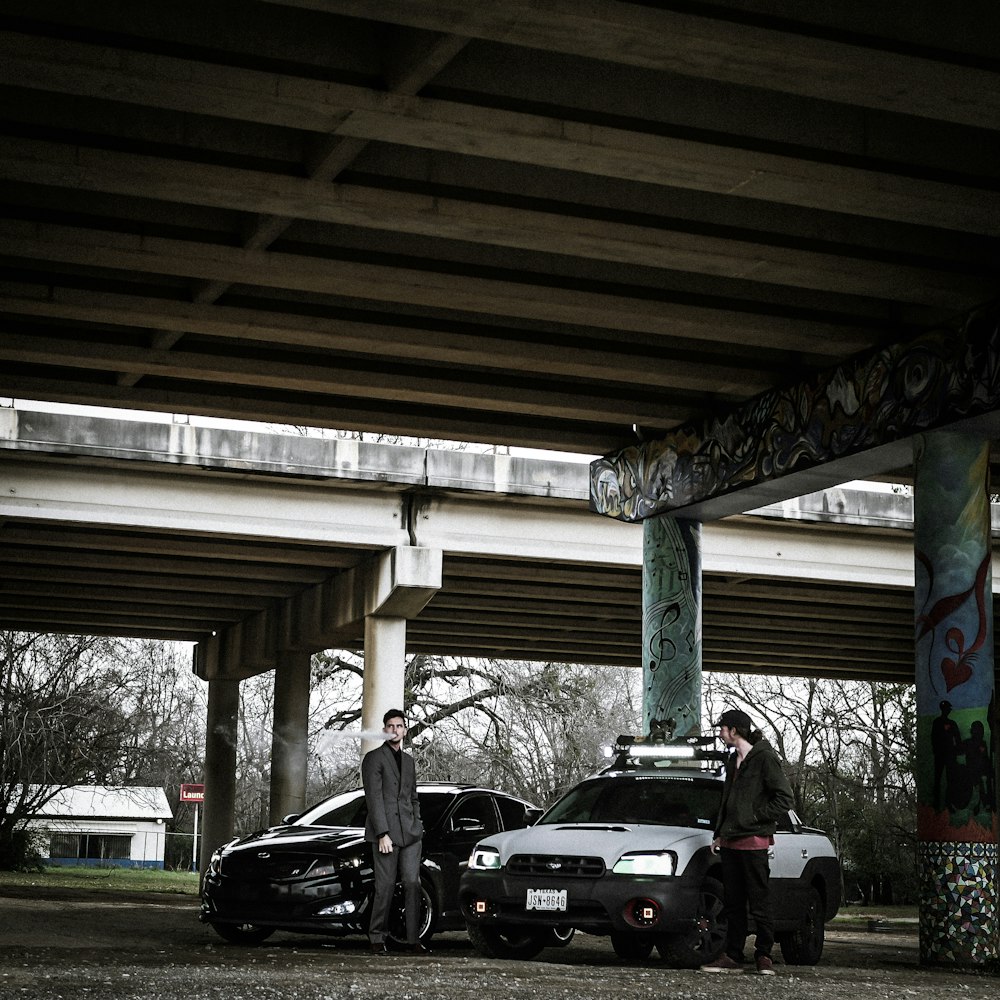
888,395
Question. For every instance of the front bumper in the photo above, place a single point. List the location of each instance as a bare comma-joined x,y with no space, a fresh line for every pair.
620,903
326,907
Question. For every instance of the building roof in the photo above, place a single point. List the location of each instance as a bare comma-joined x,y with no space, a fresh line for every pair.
103,801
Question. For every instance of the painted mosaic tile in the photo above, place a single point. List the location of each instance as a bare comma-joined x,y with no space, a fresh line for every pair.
958,904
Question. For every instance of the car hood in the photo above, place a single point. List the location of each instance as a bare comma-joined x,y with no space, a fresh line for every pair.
604,840
324,839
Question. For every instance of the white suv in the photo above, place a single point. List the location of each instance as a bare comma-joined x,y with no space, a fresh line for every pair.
627,853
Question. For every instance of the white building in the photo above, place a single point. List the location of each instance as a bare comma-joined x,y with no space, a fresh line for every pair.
103,826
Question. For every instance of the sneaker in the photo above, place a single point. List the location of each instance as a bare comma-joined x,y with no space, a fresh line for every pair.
765,967
722,964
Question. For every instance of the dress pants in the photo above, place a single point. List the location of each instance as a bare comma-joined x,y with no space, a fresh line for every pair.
402,865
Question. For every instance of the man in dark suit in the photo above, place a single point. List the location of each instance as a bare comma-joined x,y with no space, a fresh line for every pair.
394,829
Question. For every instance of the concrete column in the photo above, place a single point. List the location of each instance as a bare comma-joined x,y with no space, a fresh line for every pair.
290,736
671,624
220,767
385,672
956,793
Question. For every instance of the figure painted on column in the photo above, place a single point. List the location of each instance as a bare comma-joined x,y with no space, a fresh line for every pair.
395,829
978,769
946,742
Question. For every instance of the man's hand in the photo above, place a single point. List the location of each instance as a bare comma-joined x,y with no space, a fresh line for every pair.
385,844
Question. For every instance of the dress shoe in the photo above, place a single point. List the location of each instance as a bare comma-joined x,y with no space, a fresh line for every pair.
418,949
379,948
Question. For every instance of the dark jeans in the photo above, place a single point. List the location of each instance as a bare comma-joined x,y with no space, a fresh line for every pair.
402,864
745,878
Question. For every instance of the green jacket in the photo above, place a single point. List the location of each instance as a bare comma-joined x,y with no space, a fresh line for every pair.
756,794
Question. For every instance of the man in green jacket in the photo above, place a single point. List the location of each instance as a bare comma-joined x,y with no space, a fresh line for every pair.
755,796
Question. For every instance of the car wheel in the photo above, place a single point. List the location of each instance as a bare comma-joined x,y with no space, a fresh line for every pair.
243,933
396,930
631,947
507,942
805,945
559,937
707,938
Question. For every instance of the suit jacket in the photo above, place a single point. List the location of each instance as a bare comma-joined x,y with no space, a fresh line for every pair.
391,797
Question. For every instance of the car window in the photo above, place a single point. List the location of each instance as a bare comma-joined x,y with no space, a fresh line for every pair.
349,809
511,812
473,811
432,805
346,809
640,799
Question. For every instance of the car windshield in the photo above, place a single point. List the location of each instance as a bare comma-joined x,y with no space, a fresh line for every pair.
348,809
640,799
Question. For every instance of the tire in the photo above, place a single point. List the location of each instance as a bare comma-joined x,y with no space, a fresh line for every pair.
805,945
559,937
243,933
507,942
396,930
632,947
706,941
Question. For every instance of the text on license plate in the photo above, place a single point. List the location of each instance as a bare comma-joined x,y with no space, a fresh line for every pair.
546,899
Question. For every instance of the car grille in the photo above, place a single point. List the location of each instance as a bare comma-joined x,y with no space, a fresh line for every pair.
556,865
254,868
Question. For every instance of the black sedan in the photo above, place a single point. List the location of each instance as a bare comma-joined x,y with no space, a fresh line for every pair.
314,872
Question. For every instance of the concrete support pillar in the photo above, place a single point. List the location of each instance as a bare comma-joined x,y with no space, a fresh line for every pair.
290,737
220,767
956,738
385,673
671,624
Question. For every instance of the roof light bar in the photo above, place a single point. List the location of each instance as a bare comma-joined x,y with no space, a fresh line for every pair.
664,752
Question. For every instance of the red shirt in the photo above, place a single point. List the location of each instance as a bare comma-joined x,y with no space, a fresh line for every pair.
747,843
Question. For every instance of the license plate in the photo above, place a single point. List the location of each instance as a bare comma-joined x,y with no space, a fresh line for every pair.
546,899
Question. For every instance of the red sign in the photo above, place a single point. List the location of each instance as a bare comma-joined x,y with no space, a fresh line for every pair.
192,793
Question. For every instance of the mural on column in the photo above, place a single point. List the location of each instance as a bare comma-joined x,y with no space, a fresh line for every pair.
886,396
671,625
956,735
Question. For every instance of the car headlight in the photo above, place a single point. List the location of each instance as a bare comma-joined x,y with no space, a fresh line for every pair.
215,863
323,870
484,859
646,863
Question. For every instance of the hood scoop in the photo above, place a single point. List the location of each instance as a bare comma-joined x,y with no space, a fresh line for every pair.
604,827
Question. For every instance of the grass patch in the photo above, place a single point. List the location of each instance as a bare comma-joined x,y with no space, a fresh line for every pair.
106,879
858,916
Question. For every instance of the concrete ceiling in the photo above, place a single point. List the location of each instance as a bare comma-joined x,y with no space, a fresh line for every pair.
535,223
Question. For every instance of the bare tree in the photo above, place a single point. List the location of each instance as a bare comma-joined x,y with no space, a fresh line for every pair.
527,728
63,722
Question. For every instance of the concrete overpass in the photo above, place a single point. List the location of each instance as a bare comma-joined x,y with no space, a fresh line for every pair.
253,544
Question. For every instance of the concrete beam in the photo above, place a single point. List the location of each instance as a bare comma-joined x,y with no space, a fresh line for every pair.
397,583
393,584
848,422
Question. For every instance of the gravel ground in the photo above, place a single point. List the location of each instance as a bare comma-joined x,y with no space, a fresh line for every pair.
74,946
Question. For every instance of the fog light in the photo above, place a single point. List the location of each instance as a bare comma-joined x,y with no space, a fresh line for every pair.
642,912
343,909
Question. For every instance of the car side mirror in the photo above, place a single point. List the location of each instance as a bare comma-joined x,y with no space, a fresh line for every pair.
290,818
532,814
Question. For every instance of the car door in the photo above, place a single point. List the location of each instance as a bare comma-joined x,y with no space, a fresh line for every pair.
473,816
788,861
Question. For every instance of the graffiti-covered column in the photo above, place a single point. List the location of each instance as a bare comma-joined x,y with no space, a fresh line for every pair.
956,793
671,624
